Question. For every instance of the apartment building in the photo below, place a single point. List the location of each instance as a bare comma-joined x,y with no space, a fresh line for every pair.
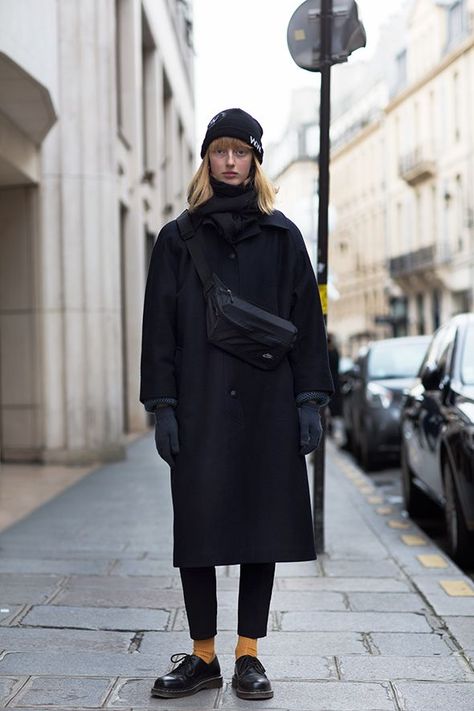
96,149
402,249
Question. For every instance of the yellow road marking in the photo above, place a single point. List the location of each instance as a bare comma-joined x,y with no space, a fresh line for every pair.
457,588
367,489
384,510
375,499
432,561
412,540
398,524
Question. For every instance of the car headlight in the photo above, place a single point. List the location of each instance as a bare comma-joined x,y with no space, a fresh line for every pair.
378,396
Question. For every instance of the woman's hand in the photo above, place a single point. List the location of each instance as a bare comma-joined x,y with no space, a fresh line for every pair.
166,434
310,427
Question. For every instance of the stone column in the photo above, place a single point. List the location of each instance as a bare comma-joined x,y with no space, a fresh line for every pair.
80,258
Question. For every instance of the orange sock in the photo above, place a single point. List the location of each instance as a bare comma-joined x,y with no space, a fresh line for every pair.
205,648
246,645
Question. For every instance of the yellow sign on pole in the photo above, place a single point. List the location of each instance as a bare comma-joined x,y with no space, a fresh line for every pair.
323,295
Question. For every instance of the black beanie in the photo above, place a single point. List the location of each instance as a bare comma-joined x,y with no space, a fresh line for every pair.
235,123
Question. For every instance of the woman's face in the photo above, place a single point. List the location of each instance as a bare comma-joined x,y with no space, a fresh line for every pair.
230,160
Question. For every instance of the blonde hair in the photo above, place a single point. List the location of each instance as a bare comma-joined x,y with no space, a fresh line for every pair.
200,189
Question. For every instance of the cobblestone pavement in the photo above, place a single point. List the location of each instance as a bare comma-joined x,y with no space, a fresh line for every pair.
91,608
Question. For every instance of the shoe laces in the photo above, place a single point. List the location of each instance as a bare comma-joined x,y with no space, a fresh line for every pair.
183,660
250,662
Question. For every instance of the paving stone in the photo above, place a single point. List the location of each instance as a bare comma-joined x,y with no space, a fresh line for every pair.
309,668
8,612
462,628
59,691
310,567
361,568
431,696
66,663
442,603
9,686
342,584
356,547
95,618
145,567
226,620
294,600
410,645
22,589
386,602
17,639
406,557
287,643
13,551
373,668
136,692
62,567
318,696
118,592
355,621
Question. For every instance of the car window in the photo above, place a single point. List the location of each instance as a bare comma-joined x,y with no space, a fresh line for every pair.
433,352
401,361
467,361
446,348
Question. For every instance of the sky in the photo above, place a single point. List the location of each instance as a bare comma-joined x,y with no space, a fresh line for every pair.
242,58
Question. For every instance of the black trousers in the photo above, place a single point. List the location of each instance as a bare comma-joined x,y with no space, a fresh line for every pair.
255,592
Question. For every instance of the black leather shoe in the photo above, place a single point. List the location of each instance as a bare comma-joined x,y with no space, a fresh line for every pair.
250,680
191,675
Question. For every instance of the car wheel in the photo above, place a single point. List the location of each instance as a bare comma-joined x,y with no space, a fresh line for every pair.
347,440
460,539
413,498
368,458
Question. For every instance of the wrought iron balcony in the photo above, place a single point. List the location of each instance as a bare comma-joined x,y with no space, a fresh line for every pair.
411,262
417,166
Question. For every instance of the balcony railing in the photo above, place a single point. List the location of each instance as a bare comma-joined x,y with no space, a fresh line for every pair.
417,166
411,262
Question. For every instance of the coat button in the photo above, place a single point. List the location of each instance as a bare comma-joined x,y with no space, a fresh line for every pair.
231,255
233,393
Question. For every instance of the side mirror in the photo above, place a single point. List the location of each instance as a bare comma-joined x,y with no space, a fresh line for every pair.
431,377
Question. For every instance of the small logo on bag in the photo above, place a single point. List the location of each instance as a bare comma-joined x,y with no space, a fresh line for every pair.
267,355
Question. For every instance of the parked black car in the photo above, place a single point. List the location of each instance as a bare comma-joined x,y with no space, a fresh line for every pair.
438,434
372,397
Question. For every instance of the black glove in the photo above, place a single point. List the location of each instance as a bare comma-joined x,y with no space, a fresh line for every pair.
311,429
166,433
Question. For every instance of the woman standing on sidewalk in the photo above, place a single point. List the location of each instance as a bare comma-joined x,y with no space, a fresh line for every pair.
234,436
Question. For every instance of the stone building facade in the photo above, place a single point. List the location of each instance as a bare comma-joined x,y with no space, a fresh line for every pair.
402,250
96,149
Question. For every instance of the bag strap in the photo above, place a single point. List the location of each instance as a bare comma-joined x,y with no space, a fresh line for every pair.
186,231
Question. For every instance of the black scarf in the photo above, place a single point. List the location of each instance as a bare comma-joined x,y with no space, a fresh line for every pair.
233,209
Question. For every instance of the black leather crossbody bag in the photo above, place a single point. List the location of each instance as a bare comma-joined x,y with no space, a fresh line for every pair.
239,327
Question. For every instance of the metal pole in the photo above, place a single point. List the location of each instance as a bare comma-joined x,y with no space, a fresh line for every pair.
322,274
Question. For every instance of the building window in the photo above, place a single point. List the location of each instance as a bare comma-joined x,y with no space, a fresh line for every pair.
118,59
420,314
459,212
401,69
456,107
457,22
436,309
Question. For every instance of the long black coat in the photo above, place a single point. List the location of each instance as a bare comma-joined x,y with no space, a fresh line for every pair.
239,487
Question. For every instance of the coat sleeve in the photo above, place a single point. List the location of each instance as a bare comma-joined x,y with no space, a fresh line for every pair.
309,356
159,325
